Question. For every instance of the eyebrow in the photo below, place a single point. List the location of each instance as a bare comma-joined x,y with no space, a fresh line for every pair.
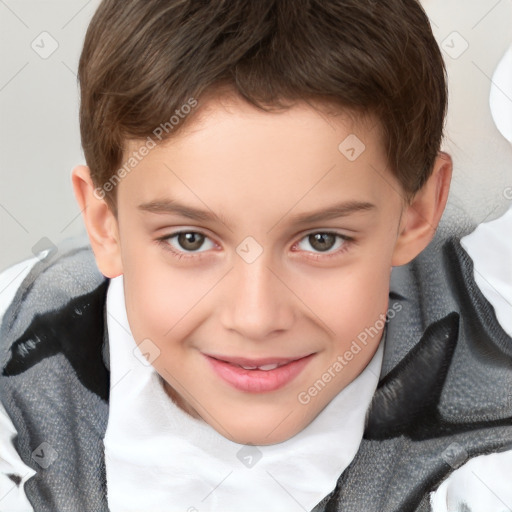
173,207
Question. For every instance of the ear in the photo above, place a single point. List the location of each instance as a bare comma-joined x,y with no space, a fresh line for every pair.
100,222
421,217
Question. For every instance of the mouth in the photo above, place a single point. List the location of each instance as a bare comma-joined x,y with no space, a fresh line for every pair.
264,363
258,375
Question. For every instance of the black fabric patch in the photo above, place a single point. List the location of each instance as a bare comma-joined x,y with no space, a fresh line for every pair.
76,330
406,399
15,478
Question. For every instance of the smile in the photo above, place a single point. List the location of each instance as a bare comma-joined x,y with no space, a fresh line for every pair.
258,375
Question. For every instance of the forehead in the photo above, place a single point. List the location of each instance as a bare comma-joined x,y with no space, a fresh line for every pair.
226,113
232,153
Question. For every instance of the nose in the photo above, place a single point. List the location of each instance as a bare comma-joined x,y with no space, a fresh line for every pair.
259,303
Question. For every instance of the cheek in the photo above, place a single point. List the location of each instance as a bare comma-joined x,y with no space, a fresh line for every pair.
369,299
161,299
349,300
150,293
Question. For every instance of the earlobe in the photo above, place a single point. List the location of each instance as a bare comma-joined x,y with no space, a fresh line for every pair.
422,216
100,222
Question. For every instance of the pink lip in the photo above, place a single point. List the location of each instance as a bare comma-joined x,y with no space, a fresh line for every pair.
244,361
258,381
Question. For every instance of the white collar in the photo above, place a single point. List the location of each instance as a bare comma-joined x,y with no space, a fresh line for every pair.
159,458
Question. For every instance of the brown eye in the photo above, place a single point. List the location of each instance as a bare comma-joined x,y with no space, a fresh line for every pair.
322,241
324,244
190,241
187,244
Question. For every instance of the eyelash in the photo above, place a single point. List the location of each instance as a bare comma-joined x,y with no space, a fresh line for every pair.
347,242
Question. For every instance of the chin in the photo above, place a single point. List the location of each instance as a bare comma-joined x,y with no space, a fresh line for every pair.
255,431
260,438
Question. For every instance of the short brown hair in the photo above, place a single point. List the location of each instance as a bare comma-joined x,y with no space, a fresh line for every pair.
143,59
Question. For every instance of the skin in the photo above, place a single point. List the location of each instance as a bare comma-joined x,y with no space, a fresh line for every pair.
255,171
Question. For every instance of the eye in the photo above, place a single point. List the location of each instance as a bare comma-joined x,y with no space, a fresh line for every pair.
184,242
324,242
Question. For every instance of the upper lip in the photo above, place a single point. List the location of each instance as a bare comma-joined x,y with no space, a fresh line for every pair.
244,361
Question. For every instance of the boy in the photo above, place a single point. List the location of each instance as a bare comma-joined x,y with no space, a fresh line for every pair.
219,360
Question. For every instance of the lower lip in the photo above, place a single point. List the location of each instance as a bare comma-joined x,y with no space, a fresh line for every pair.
258,381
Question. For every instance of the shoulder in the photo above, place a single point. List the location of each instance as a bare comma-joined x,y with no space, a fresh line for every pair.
56,309
45,283
32,293
482,483
447,369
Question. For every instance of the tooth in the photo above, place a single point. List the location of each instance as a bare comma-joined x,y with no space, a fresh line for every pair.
265,367
268,366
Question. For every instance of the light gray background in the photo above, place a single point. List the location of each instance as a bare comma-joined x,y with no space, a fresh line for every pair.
39,131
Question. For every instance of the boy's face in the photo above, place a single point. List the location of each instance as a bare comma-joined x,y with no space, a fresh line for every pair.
247,278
